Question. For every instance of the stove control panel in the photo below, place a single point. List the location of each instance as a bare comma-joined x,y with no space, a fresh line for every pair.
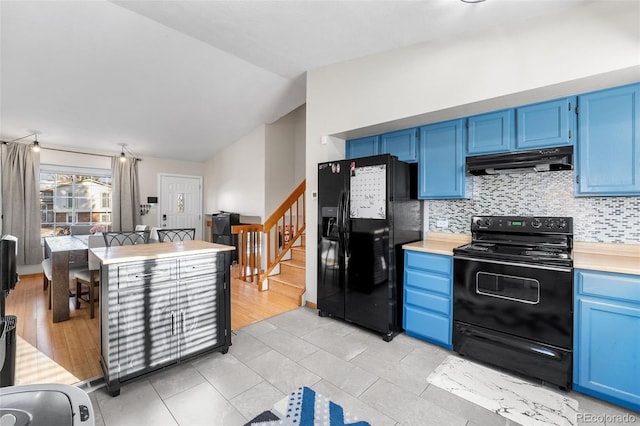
523,224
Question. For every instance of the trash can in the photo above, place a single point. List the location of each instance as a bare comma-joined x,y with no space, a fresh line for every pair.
8,344
45,405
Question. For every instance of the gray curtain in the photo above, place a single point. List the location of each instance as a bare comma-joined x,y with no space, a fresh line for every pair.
21,200
125,191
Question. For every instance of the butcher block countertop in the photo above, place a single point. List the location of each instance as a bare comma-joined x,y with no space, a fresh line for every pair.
140,252
439,243
607,257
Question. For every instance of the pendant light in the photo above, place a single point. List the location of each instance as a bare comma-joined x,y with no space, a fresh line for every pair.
123,157
36,145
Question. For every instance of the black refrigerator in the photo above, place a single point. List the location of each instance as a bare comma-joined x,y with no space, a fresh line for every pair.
367,209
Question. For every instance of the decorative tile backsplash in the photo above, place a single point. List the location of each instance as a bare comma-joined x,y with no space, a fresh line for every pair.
600,219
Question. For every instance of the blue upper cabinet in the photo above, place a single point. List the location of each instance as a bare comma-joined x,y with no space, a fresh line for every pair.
546,124
441,163
403,144
608,150
363,147
491,133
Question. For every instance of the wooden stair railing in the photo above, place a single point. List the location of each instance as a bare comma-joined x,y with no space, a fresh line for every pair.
248,251
276,236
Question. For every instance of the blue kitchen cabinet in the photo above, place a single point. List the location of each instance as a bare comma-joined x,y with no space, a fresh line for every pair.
491,133
546,124
402,143
428,289
608,148
606,355
363,147
441,172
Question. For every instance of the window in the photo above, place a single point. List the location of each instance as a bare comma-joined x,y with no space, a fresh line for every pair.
69,201
105,200
70,196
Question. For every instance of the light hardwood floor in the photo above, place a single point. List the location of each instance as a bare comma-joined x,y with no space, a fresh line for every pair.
69,351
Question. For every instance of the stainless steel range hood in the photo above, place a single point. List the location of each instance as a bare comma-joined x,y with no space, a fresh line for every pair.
535,160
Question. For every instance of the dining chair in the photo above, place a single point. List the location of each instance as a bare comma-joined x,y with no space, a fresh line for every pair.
153,234
125,238
89,277
177,234
47,276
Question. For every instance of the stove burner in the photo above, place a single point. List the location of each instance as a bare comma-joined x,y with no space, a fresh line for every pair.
520,239
547,253
481,246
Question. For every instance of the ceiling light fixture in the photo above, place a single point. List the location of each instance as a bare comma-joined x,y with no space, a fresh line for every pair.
36,145
472,1
123,157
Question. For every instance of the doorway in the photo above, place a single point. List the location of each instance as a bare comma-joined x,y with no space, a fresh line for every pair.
180,202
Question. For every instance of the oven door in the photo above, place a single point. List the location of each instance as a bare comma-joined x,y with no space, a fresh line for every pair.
533,302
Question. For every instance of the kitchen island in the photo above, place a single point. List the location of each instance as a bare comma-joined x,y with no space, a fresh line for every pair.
161,304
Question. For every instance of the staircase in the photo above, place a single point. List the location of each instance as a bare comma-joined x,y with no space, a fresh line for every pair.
279,242
291,281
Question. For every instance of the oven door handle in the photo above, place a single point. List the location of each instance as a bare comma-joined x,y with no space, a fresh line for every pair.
524,265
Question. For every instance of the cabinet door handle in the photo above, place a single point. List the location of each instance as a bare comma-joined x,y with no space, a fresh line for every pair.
150,274
173,324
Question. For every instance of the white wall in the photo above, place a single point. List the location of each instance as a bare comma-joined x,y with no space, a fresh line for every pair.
300,135
255,174
100,161
592,46
284,161
149,170
234,180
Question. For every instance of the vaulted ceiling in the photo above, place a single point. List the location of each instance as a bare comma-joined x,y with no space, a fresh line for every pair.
183,79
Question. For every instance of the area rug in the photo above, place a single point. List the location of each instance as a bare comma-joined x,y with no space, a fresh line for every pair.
306,407
526,403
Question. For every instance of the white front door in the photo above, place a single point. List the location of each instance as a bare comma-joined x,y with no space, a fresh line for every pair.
181,202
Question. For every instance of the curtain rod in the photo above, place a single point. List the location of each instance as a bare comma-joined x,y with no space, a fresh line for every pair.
69,150
84,153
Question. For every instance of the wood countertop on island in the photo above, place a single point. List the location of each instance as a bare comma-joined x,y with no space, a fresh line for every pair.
140,252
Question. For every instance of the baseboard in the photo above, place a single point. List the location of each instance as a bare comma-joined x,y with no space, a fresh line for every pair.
311,305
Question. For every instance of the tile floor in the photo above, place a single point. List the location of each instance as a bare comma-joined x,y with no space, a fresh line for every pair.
383,383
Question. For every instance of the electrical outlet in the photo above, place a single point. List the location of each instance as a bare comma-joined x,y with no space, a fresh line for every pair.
442,224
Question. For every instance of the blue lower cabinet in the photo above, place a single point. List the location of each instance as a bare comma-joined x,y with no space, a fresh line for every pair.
427,304
607,337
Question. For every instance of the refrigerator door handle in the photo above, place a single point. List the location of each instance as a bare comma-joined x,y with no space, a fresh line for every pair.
339,218
345,224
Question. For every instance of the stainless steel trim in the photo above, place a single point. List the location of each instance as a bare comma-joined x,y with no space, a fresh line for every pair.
521,265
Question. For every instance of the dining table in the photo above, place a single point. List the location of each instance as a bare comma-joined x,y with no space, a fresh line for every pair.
66,252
